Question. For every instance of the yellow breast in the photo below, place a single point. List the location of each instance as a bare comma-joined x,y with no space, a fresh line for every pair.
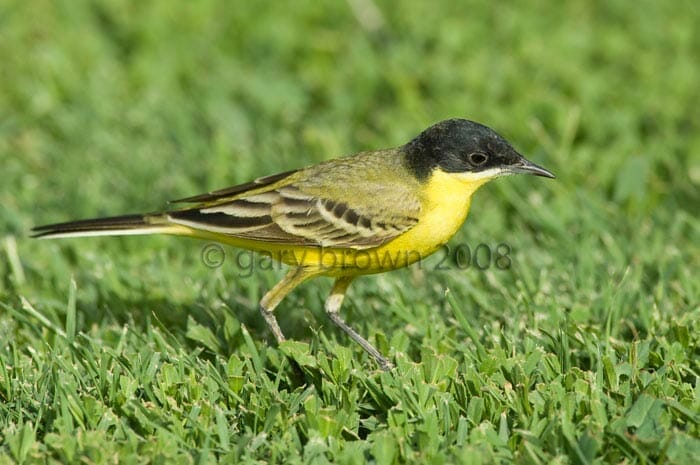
446,202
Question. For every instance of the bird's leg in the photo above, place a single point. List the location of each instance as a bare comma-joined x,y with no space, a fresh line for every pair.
274,296
333,303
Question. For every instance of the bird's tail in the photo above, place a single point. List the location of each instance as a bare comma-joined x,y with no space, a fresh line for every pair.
111,226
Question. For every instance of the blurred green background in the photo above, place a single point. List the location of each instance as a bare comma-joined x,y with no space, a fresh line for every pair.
114,106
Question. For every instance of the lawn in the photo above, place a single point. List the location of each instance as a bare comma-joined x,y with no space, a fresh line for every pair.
576,341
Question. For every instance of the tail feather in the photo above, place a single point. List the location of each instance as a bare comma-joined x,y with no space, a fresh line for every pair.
111,226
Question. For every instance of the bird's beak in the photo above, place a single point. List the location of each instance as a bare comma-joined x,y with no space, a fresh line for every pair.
524,166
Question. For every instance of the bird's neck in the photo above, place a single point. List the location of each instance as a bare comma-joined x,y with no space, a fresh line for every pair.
446,191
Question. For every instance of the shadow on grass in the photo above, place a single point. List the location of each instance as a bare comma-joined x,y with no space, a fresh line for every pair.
212,323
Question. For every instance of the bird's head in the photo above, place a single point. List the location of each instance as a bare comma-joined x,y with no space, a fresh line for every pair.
467,149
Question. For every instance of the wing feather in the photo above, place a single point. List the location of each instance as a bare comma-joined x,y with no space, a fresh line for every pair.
315,206
236,190
289,215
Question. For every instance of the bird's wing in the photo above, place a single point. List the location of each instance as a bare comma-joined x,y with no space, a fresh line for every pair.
306,212
235,191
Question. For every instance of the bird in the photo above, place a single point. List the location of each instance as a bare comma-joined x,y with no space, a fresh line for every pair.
366,213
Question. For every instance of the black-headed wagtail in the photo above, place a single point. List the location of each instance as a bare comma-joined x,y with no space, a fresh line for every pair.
366,213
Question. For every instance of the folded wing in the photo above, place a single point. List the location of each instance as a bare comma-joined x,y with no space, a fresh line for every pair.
289,215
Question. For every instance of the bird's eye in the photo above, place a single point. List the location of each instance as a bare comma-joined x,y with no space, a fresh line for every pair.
478,158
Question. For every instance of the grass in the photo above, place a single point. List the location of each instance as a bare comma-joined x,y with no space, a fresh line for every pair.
131,350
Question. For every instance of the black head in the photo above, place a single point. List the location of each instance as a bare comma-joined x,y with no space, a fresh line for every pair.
460,145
